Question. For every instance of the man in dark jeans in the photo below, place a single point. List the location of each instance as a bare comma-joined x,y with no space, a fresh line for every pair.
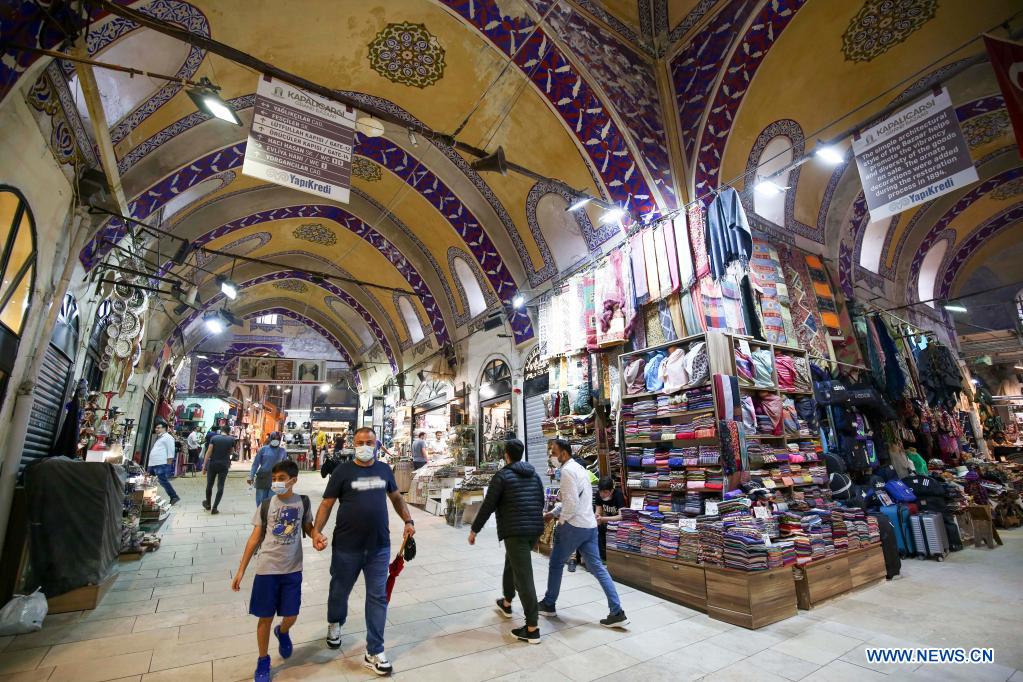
516,493
219,453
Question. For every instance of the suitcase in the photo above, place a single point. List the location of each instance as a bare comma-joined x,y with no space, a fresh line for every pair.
955,539
899,516
929,535
889,546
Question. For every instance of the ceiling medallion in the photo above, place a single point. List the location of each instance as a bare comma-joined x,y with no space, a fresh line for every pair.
1008,190
365,169
315,233
292,285
882,24
986,127
407,54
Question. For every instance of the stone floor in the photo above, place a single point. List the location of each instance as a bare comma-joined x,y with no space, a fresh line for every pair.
173,616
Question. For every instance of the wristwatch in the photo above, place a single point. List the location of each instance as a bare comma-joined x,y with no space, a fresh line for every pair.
410,521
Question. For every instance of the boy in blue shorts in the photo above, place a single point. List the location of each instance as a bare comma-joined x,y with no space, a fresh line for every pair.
278,527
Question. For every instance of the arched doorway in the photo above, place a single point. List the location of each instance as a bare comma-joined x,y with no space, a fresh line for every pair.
17,276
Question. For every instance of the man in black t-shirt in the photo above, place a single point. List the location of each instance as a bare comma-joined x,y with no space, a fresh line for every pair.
219,452
362,542
607,505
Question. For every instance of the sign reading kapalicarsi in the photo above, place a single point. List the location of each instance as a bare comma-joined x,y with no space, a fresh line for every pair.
300,140
913,156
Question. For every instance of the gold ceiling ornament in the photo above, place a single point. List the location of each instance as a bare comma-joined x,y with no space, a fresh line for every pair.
365,169
1008,190
292,285
316,233
982,129
408,54
883,24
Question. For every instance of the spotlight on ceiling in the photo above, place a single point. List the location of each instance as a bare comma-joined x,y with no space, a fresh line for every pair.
227,287
830,155
208,99
954,308
182,253
613,216
215,370
580,203
369,126
769,188
203,357
518,301
495,163
214,322
287,390
324,388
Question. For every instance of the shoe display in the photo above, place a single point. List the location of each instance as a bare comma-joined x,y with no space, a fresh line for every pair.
334,635
505,611
525,635
615,620
284,646
378,663
547,610
262,673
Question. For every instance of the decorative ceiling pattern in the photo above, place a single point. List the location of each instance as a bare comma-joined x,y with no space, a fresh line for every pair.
883,24
408,54
315,233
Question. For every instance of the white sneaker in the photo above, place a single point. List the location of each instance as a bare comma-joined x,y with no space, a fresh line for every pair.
379,663
334,635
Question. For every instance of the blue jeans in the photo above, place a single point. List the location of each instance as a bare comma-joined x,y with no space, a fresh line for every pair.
568,539
163,473
345,567
262,495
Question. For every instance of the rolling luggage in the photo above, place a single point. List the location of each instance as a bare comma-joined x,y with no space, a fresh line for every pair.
889,546
899,517
929,535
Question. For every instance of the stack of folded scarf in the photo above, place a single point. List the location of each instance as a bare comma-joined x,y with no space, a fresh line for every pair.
627,535
689,545
785,367
744,549
650,536
693,503
711,541
667,547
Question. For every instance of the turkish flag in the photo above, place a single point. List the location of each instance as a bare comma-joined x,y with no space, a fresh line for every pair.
1007,60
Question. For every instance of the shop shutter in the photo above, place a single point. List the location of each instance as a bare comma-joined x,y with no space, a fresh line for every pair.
536,442
47,405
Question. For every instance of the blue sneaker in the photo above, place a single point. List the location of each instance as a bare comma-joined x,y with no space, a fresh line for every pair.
262,669
284,642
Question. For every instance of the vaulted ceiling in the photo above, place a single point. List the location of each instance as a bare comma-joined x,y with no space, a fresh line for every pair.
647,103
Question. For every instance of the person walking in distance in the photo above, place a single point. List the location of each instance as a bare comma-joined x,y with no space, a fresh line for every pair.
161,459
260,475
577,529
194,448
361,543
516,494
219,453
419,451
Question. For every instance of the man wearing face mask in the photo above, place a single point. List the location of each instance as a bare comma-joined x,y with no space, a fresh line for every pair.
362,543
577,530
261,473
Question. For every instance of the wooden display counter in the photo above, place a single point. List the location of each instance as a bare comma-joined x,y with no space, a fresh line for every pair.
824,579
751,599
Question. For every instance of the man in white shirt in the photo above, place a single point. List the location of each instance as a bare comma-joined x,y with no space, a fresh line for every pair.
161,459
194,448
577,530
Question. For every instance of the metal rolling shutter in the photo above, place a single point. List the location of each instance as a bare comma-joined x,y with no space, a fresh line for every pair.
536,442
47,405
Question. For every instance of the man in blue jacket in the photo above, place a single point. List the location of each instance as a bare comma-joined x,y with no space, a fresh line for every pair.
261,474
516,494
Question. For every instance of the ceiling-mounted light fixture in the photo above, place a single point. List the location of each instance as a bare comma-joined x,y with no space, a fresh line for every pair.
613,215
207,98
287,390
214,322
227,287
769,188
954,308
369,126
184,248
518,301
830,154
215,370
579,203
324,388
495,163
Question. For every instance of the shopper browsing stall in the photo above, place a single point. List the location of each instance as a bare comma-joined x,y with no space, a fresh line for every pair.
161,459
607,507
361,543
577,530
419,457
516,494
262,466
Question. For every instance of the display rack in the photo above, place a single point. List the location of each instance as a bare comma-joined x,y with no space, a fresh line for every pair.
462,445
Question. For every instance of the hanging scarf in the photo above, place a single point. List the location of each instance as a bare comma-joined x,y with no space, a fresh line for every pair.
697,239
671,248
653,281
661,251
639,270
686,270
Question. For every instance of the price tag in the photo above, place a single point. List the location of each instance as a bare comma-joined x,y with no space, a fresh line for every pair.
687,524
637,502
710,508
761,512
767,539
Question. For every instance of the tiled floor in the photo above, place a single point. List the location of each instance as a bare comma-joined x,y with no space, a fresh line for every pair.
173,617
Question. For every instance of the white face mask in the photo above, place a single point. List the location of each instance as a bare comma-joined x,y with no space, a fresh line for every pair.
279,487
364,453
275,443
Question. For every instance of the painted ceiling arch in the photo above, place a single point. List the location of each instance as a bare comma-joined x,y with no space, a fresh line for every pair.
1010,218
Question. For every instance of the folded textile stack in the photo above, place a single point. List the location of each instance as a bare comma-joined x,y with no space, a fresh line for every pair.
650,536
696,479
744,549
667,547
640,409
711,540
689,545
764,425
734,505
629,531
873,532
840,532
715,479
708,455
781,554
693,503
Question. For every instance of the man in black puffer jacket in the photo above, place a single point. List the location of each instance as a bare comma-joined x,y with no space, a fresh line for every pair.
516,494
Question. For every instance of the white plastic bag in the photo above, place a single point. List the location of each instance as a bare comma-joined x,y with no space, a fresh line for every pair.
22,614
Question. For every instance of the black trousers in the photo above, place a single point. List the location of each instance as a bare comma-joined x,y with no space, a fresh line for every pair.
518,575
220,474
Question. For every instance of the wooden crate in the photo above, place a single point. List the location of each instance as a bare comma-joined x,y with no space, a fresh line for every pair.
680,582
81,599
750,599
866,566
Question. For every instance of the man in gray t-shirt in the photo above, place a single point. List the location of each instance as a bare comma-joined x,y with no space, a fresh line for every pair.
419,450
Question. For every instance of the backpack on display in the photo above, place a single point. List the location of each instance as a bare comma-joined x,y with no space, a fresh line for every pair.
899,491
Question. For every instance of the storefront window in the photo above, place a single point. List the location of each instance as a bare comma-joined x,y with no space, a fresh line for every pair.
17,260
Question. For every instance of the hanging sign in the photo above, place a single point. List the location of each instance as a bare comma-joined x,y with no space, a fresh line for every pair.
280,371
300,140
913,156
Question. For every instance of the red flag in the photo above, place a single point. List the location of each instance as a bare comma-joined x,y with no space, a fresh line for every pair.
1007,60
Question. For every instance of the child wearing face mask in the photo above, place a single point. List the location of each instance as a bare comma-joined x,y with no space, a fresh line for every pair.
262,465
278,527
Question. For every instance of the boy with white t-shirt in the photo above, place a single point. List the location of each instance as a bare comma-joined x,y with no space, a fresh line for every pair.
278,527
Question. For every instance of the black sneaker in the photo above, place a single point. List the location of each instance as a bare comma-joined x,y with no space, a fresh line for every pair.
571,566
505,610
214,511
525,635
615,620
546,610
175,500
206,505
